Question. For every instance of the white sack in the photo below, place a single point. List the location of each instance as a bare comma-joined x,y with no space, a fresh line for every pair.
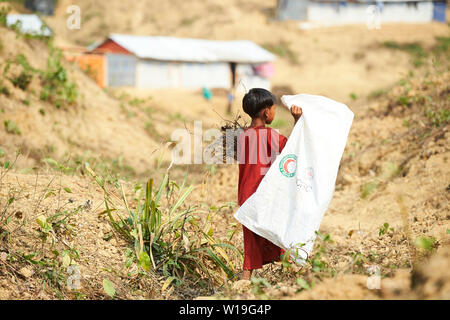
289,204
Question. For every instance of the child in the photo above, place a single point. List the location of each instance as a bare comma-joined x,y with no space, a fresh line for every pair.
258,147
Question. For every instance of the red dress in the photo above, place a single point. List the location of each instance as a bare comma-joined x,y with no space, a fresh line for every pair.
257,149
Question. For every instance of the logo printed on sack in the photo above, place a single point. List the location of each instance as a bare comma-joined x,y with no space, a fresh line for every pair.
288,165
305,181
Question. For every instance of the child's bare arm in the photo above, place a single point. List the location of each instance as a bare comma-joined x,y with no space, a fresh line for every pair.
296,112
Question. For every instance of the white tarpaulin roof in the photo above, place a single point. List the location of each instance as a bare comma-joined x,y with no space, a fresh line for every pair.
30,24
193,50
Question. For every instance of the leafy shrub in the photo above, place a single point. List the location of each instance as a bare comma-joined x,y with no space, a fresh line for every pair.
404,100
170,240
4,11
56,86
258,287
22,81
318,262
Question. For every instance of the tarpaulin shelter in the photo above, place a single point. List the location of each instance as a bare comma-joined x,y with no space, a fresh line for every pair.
336,12
29,24
168,62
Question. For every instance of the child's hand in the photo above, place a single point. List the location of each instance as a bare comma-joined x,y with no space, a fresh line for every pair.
296,112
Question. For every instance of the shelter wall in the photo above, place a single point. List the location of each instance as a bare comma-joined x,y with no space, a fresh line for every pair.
159,74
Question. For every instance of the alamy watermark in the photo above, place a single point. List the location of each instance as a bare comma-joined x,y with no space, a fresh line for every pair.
73,22
74,279
374,280
373,17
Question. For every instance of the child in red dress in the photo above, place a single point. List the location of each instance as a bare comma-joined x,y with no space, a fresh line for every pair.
258,147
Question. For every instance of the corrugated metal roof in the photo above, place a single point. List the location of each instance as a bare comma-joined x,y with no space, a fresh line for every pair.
193,50
30,24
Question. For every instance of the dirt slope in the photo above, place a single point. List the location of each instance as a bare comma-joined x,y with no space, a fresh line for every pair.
96,126
390,208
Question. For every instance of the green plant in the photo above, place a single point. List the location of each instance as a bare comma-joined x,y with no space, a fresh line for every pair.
167,239
211,169
384,229
48,265
25,77
318,262
11,127
6,204
367,188
404,100
425,243
358,259
439,118
51,269
17,27
303,284
90,72
136,102
258,287
391,170
22,81
23,61
4,11
57,88
5,216
58,222
109,288
107,167
176,117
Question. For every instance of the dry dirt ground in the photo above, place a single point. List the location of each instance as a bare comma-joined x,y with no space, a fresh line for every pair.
395,169
384,178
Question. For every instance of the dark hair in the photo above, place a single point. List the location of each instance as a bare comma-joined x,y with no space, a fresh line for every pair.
256,100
